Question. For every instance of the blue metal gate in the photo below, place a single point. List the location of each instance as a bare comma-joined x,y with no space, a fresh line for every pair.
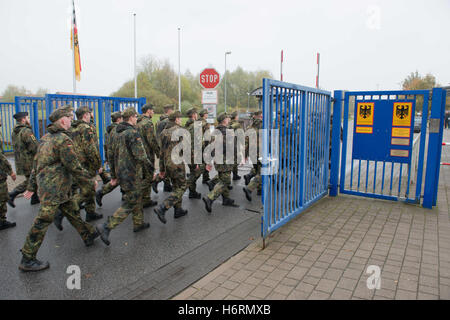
295,150
381,155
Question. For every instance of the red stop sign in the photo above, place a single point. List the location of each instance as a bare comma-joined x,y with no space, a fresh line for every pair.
209,78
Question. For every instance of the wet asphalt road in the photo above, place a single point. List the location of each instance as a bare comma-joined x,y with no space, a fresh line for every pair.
132,258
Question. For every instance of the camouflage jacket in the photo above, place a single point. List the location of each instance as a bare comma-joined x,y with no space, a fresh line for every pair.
86,145
205,126
256,125
188,123
160,126
54,167
127,157
146,129
195,138
234,124
166,161
5,167
108,132
25,147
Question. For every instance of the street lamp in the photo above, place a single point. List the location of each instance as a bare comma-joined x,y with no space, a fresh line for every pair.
228,52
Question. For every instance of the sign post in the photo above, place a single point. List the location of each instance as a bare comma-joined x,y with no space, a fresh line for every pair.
209,80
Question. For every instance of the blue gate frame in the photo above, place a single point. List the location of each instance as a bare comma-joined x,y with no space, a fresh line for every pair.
7,109
376,189
295,151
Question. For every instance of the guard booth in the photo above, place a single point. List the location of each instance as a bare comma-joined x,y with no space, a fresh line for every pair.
379,156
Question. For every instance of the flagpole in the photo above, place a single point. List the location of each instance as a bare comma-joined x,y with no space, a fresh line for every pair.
74,85
179,72
135,73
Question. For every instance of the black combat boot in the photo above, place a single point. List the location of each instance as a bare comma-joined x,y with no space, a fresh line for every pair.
6,225
12,195
155,187
248,194
161,212
58,220
168,187
35,199
247,178
236,176
228,202
104,231
143,226
99,197
27,265
210,185
92,216
150,203
179,212
208,203
90,240
194,195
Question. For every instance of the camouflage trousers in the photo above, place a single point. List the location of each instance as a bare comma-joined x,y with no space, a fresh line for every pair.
147,185
224,180
107,188
177,175
45,217
85,195
132,204
194,173
21,188
256,182
3,199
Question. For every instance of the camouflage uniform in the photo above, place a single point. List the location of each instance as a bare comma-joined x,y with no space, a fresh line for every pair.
205,127
5,171
54,166
146,129
195,170
25,147
87,149
235,125
127,157
160,126
110,138
256,181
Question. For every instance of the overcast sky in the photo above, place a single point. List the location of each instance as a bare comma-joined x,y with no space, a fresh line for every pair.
363,44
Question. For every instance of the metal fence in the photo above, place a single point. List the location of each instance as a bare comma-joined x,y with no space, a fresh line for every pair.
39,109
295,150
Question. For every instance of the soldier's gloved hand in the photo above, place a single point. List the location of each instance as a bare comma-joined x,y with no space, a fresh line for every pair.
28,194
13,176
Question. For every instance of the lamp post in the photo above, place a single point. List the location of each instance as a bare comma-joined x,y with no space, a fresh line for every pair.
225,76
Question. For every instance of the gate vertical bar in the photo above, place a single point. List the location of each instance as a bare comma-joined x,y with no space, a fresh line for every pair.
433,149
335,143
344,145
441,136
265,160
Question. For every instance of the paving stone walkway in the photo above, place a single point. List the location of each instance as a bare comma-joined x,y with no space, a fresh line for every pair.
324,253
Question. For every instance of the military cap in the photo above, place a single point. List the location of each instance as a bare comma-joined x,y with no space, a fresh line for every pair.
234,114
129,112
192,111
203,112
81,111
173,116
147,106
168,107
115,116
257,113
58,114
20,115
67,107
222,117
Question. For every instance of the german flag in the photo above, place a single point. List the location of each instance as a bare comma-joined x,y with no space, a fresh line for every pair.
74,43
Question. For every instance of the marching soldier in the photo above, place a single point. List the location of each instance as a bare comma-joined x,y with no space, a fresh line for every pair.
101,172
234,125
252,172
176,172
160,126
5,171
87,150
195,170
223,170
55,165
205,126
110,138
256,181
25,147
147,131
128,157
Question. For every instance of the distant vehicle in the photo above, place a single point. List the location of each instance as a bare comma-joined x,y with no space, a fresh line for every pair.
417,124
